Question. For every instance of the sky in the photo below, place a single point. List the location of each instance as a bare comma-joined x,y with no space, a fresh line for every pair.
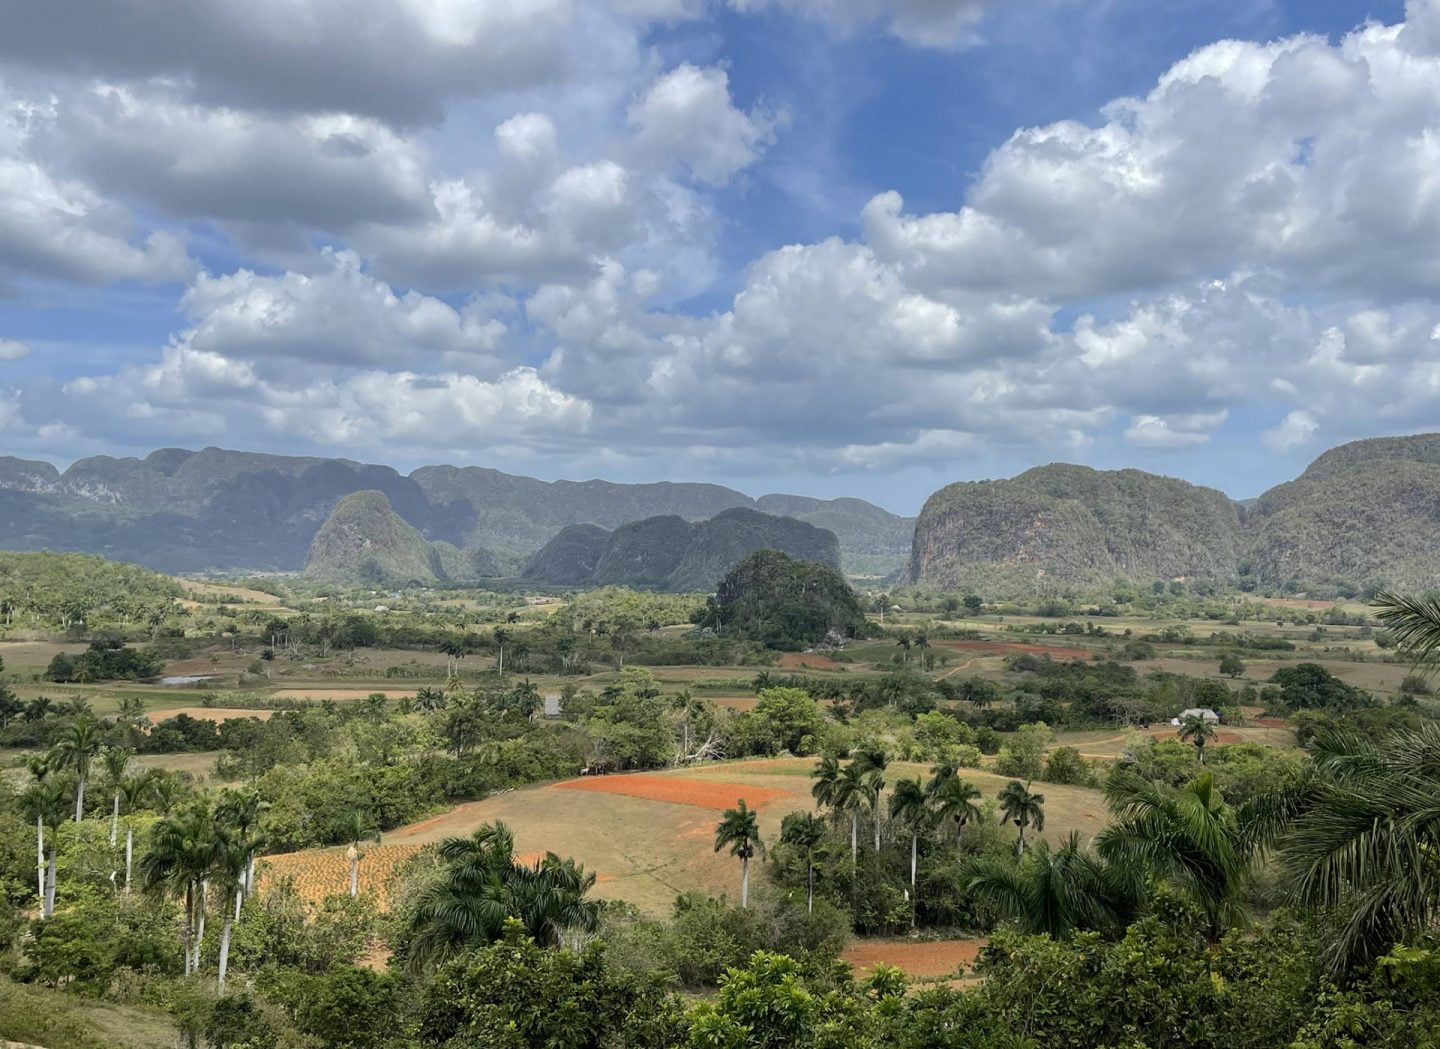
828,247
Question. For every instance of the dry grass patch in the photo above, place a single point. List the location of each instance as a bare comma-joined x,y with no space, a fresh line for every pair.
923,960
319,873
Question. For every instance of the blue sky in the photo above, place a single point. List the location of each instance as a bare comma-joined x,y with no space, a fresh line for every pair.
860,248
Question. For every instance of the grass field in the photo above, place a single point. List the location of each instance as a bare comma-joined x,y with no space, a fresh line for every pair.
650,836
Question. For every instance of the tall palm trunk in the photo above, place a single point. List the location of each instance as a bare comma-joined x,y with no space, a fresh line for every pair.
809,885
129,854
50,880
115,820
1020,843
354,872
914,855
80,798
854,837
250,877
225,941
189,925
199,924
744,882
40,861
876,816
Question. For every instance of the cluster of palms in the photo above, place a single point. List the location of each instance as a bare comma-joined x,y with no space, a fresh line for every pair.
200,849
57,790
857,789
481,887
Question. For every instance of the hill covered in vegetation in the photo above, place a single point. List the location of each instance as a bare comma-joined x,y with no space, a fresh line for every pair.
1363,515
184,511
785,604
670,553
1064,525
365,541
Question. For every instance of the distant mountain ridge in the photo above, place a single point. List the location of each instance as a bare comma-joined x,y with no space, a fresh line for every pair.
1362,515
186,511
670,553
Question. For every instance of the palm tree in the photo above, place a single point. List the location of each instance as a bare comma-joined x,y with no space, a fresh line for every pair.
242,810
850,796
922,646
1363,841
38,709
903,643
956,801
44,802
908,805
115,760
1195,729
1188,834
134,791
826,774
1055,892
739,828
76,750
356,828
872,761
804,831
231,862
502,636
481,886
1023,809
180,858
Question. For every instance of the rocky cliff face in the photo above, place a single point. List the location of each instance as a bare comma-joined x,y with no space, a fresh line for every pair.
1063,525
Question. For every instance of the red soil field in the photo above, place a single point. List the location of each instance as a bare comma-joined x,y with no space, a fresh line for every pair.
703,794
1010,648
914,957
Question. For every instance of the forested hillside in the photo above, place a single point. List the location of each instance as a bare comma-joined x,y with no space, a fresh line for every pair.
669,553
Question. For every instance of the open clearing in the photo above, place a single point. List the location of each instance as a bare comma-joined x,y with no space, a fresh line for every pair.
650,836
921,959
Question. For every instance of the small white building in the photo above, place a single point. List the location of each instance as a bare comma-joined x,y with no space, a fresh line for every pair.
552,706
1203,713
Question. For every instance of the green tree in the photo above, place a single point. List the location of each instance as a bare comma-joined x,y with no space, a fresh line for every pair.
788,715
910,806
1023,809
1187,834
1232,665
804,831
1055,891
872,761
955,800
180,858
1197,731
77,748
44,802
481,886
850,796
739,829
115,760
1365,838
